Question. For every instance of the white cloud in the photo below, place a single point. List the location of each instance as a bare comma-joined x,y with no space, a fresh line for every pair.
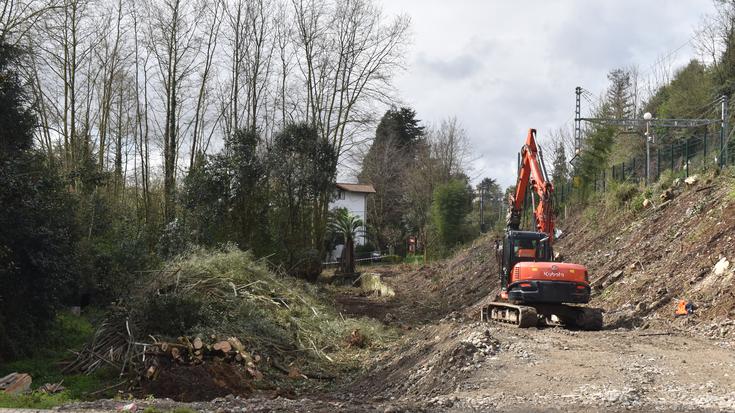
504,66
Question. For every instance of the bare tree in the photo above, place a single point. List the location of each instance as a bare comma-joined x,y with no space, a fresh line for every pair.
347,57
19,17
173,42
109,63
212,33
450,147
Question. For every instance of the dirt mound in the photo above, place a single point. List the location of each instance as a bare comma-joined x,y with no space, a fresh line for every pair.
199,382
642,263
433,361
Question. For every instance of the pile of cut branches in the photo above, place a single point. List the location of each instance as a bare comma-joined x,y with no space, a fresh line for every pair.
242,309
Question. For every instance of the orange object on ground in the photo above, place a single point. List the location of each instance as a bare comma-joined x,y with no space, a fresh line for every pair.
684,308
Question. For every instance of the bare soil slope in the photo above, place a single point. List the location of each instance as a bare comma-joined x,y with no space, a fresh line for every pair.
641,264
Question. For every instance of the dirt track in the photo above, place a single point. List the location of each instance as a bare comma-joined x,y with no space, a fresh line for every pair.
556,369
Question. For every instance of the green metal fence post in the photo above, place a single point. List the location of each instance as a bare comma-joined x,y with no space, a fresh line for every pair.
622,171
603,180
632,171
658,163
704,156
686,157
672,157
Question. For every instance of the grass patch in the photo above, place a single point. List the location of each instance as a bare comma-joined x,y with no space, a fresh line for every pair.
34,400
414,259
636,204
68,332
371,283
619,194
731,189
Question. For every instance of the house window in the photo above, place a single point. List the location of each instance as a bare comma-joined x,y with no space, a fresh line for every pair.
340,194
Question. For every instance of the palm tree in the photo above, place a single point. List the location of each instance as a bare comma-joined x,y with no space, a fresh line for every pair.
348,226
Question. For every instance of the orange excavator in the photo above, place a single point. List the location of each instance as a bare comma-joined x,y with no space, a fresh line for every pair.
535,288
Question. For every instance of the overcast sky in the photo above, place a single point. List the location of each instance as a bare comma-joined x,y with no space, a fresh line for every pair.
502,67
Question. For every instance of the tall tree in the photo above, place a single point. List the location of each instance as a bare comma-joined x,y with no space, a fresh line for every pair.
37,257
560,173
303,168
492,199
174,42
451,204
450,147
390,158
619,103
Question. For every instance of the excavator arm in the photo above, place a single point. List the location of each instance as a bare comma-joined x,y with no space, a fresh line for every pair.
532,175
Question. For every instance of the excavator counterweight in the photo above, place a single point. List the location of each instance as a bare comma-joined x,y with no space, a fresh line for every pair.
535,288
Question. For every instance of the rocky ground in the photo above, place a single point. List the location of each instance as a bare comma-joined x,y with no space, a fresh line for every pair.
462,365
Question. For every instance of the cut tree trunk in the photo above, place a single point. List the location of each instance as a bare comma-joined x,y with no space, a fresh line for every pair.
15,383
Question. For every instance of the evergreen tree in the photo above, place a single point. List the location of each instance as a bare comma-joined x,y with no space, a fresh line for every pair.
401,126
387,165
492,199
451,204
560,165
619,103
37,228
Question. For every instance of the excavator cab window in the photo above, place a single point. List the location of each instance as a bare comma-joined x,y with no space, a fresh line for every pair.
525,249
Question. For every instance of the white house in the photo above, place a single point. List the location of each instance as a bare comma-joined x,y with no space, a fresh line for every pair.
352,197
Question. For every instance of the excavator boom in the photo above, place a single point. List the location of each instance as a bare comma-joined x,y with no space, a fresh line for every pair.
531,174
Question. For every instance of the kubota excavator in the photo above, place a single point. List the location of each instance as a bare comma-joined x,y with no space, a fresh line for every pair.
534,288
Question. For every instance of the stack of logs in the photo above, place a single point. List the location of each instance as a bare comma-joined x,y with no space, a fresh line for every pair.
192,351
15,383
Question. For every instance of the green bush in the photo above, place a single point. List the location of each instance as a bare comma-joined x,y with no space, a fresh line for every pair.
34,400
665,180
619,194
37,256
414,259
67,332
636,204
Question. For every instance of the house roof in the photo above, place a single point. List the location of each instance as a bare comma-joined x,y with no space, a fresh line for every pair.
364,188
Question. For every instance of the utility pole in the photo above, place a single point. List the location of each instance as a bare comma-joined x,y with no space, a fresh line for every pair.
577,122
649,139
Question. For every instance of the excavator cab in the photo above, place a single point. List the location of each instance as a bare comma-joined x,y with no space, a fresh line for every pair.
528,272
520,246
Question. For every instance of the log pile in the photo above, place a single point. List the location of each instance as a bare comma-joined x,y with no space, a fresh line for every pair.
15,383
113,345
193,351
